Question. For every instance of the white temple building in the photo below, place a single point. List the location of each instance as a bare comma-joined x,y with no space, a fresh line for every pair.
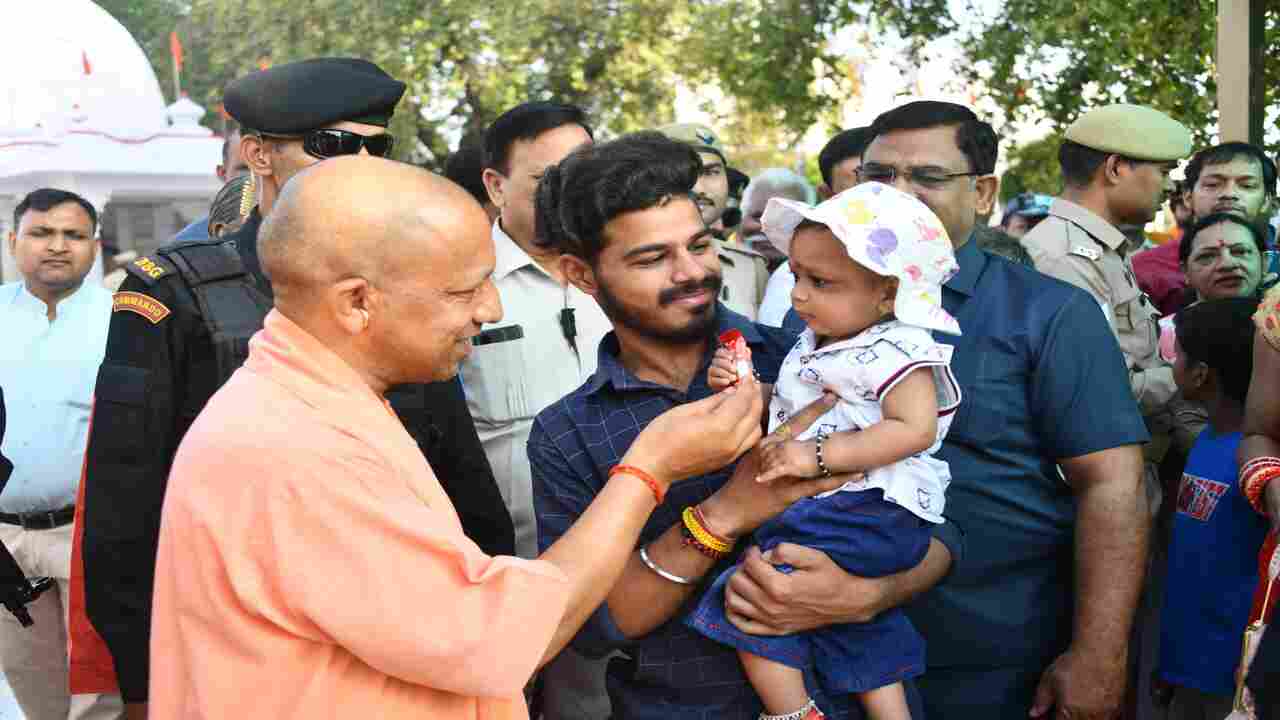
81,110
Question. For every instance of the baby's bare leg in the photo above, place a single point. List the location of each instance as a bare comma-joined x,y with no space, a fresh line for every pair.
886,703
781,687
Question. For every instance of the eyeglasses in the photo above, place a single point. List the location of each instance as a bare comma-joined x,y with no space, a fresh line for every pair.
928,178
330,142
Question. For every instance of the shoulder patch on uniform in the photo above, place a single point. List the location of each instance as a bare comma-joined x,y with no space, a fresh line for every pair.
149,269
144,305
1085,251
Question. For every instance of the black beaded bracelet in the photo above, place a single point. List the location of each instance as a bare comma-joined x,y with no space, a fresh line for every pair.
817,449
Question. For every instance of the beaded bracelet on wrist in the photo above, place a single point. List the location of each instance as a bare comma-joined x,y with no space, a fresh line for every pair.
817,450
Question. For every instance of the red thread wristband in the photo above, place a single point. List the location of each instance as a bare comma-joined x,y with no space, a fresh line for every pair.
658,493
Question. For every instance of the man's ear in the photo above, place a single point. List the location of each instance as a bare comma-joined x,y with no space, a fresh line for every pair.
824,192
986,186
580,273
351,304
494,184
254,151
13,243
1112,169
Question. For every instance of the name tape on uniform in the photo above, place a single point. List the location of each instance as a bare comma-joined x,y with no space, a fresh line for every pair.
144,305
1086,252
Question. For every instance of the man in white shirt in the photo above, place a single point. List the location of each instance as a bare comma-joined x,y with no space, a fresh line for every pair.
543,348
55,334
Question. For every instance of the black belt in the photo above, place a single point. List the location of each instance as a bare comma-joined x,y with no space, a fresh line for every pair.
40,520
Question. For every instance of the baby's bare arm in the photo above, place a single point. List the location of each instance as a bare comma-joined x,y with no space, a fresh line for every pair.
910,426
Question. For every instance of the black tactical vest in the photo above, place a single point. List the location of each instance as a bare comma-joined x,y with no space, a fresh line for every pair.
229,297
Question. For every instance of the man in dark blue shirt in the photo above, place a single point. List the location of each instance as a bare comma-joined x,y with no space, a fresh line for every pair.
1045,462
632,238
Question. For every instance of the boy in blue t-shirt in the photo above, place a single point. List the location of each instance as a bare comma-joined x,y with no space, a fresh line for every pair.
1213,565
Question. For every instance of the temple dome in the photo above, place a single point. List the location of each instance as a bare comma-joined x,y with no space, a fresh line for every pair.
71,66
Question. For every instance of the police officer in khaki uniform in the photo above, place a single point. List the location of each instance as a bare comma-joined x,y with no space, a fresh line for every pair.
1115,166
745,271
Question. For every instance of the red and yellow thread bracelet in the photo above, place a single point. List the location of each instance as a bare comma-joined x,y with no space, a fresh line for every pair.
696,527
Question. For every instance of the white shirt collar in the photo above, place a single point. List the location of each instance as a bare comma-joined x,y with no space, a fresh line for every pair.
509,256
24,300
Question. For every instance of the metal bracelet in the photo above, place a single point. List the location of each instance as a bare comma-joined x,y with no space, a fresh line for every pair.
797,715
817,450
644,558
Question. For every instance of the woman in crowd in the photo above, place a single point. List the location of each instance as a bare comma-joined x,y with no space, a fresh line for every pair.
1222,256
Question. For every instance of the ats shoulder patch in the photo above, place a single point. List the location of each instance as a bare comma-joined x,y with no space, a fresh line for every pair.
149,267
144,305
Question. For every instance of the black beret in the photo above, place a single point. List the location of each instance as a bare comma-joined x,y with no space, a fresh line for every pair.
296,97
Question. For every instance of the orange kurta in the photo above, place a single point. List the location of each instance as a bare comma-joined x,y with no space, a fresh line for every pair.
311,566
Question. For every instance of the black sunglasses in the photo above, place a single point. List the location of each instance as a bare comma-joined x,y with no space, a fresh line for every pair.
329,142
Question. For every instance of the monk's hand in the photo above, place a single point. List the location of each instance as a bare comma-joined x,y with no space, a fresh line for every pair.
700,437
743,503
1081,686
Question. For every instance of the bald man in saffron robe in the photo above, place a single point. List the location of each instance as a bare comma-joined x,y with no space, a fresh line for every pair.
310,565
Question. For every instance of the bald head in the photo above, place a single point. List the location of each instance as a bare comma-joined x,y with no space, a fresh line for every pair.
361,251
357,216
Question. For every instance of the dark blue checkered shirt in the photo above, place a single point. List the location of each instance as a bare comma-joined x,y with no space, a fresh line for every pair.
673,673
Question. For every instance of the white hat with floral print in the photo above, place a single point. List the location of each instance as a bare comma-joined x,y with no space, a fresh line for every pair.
888,232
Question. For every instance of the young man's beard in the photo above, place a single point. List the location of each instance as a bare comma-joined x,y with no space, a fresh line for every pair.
698,329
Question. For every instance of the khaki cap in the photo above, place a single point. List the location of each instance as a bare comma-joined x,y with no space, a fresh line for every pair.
1135,131
700,137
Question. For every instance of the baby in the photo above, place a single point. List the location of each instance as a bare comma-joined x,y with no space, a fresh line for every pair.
869,266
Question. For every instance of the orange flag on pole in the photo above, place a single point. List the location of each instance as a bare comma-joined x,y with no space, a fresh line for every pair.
175,48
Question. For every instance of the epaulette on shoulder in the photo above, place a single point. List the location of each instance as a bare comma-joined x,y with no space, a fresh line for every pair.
150,268
727,249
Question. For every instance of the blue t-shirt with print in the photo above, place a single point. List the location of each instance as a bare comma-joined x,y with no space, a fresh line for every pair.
1213,569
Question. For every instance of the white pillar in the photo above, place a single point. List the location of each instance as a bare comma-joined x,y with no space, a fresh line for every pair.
8,265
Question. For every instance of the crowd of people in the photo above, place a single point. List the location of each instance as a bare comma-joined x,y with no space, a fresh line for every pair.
589,429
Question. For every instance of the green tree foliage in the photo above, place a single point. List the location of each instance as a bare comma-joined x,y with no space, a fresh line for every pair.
1052,59
1033,167
463,67
770,62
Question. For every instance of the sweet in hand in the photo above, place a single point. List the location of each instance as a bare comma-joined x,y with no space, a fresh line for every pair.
731,363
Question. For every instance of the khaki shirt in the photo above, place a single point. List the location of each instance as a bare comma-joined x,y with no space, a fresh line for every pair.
509,382
745,273
1075,245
